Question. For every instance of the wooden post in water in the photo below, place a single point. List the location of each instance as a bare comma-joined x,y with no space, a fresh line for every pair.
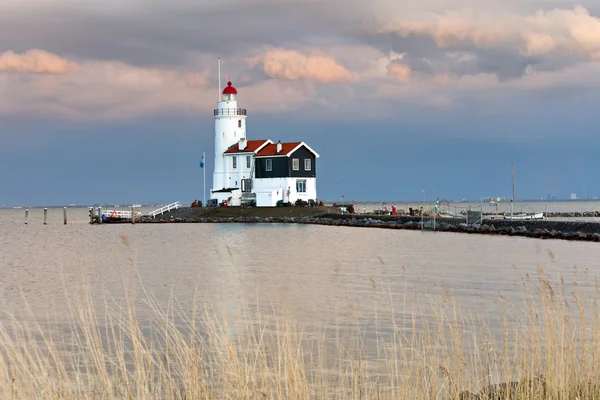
65,215
45,216
26,215
99,214
132,214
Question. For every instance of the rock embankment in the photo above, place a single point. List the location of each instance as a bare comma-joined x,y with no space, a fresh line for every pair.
574,214
543,229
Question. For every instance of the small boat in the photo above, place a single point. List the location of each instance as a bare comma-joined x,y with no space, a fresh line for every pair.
450,214
539,215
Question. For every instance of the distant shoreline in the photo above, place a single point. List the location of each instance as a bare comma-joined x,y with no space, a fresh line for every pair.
328,203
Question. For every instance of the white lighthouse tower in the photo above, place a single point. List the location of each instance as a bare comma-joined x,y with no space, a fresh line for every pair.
230,128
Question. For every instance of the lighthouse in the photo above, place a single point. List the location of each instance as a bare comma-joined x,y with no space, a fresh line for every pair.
257,172
230,128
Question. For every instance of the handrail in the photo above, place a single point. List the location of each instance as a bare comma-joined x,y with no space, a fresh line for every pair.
164,209
229,111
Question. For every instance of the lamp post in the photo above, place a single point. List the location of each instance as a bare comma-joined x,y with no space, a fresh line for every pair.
423,211
342,187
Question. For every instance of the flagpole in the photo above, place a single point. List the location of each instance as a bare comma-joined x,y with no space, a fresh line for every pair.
204,180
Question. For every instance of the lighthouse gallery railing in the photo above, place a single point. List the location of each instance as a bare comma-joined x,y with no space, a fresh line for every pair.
230,111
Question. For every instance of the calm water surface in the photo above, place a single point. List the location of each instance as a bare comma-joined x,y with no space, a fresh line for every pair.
319,274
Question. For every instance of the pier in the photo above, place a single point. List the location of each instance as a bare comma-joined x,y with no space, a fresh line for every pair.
99,216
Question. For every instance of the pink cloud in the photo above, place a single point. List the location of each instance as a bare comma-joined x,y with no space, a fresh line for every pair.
567,31
35,61
399,71
117,90
294,65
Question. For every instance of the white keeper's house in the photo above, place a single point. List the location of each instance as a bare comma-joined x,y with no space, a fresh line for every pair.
259,172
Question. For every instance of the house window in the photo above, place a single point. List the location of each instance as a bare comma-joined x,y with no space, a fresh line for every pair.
307,165
269,164
234,158
247,161
301,186
295,164
239,123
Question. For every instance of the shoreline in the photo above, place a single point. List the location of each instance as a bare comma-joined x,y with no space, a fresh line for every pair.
540,229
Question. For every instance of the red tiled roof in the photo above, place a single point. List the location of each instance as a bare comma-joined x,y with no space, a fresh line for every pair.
271,149
251,146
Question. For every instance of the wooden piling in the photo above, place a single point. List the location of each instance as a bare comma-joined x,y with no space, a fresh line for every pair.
91,214
132,214
65,215
99,215
26,215
45,216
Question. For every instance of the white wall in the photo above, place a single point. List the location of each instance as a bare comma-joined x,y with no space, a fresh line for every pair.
282,184
277,185
231,175
266,199
236,197
311,190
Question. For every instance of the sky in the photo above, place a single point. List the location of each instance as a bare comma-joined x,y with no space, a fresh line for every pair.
111,102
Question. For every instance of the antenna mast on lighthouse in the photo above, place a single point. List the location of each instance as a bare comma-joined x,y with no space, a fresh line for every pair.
219,96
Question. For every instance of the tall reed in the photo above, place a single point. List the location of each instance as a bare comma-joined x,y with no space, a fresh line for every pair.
546,348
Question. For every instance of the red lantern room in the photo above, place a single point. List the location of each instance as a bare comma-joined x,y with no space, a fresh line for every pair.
229,93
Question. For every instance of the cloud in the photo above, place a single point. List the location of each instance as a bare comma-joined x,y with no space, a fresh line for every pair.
538,44
294,65
116,90
35,61
399,71
164,58
555,38
574,31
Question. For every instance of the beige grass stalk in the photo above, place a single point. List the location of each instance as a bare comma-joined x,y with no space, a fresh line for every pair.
261,352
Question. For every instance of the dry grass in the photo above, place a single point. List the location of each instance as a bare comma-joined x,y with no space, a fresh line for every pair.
548,348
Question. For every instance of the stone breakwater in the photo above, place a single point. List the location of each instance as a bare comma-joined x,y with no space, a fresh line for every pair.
570,214
542,229
574,214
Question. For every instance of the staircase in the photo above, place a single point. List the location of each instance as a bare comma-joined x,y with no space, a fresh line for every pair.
167,208
249,198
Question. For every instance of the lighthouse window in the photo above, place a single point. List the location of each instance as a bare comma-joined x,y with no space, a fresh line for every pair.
307,165
234,158
239,123
301,186
247,161
269,164
295,164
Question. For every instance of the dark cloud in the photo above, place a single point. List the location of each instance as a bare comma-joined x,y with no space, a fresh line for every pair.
157,33
163,35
